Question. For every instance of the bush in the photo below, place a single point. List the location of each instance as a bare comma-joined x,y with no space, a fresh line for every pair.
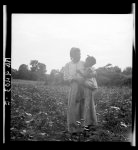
114,79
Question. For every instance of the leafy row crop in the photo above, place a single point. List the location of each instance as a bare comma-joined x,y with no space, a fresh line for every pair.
38,113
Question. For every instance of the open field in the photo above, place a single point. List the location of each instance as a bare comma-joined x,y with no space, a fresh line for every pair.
38,113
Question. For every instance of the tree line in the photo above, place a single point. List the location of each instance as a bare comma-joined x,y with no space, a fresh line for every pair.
107,75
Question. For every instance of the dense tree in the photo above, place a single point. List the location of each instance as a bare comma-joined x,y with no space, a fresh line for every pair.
14,73
108,65
41,71
41,68
111,75
23,71
34,65
127,71
23,67
107,75
53,74
117,69
38,70
110,68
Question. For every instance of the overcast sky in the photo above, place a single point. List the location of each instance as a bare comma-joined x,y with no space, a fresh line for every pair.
48,38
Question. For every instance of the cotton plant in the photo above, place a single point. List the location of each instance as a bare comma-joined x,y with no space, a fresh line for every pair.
81,128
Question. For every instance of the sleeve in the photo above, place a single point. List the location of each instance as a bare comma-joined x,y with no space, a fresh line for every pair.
91,72
67,76
94,74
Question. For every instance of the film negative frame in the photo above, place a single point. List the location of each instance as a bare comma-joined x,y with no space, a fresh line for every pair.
8,11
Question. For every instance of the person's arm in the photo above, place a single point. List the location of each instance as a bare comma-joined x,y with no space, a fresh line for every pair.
67,77
66,74
91,73
79,80
80,73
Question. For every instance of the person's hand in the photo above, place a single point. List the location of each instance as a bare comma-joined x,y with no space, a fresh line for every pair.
91,73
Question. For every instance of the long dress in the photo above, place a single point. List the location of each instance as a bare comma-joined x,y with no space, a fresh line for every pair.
90,117
80,100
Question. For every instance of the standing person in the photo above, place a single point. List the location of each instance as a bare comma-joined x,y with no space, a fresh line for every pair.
74,99
78,95
90,83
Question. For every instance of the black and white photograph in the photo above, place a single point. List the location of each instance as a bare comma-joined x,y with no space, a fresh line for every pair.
71,77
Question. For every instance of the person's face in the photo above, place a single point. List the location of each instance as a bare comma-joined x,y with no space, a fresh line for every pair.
88,64
76,56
